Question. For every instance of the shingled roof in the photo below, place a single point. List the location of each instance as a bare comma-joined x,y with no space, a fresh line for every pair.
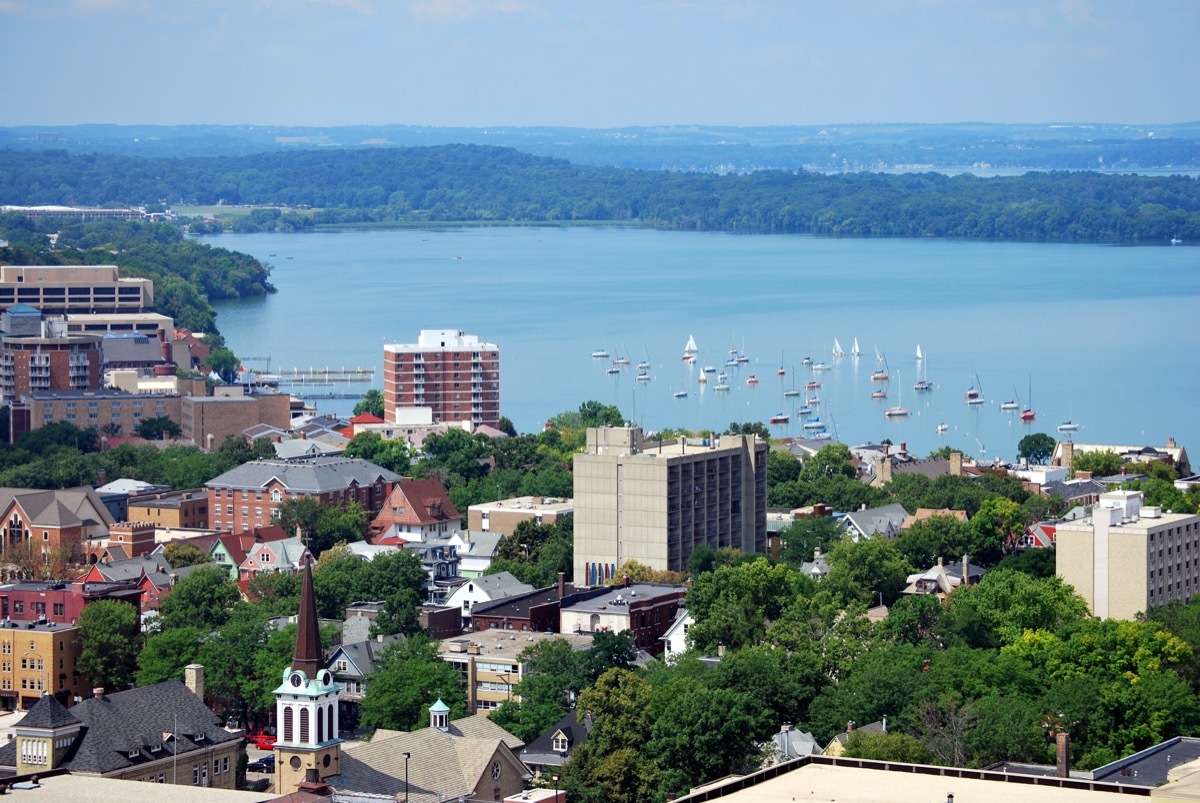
316,476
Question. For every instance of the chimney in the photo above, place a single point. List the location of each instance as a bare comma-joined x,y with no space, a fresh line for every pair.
1063,744
1083,475
850,726
98,692
966,569
193,678
1170,443
562,584
903,447
625,581
885,450
956,464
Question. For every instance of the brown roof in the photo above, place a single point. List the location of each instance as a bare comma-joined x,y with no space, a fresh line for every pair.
924,513
417,502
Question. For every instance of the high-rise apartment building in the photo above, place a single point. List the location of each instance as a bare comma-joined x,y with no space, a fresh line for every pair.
454,374
656,502
1128,557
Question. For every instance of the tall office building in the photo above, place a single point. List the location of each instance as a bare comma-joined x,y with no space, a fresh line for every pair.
448,371
1128,557
60,289
656,502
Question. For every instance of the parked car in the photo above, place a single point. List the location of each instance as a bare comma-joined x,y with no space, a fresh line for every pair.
264,764
261,739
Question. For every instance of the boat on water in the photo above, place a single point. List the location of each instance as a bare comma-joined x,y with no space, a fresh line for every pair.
721,377
690,350
804,410
882,375
942,427
814,425
923,385
837,349
680,394
780,418
644,365
974,394
613,370
812,385
820,366
642,377
879,394
721,387
708,369
703,379
1068,426
741,359
1029,414
781,372
806,361
600,354
752,380
791,393
855,351
814,401
920,356
1011,404
621,361
899,411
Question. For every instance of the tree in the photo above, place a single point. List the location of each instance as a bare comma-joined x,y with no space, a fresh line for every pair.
749,428
936,537
861,570
336,525
707,733
1036,448
803,537
108,643
224,362
372,402
409,679
299,513
203,599
997,525
180,554
394,455
228,656
733,604
899,747
158,428
1102,463
166,654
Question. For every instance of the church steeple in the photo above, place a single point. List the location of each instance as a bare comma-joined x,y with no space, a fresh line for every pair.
307,657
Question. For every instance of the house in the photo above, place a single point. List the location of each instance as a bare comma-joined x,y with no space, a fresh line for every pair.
1172,453
476,551
837,745
926,513
944,578
489,588
886,520
415,510
1039,535
675,639
463,758
816,568
160,734
230,550
503,516
351,665
1083,490
247,496
48,522
553,748
440,561
286,555
790,743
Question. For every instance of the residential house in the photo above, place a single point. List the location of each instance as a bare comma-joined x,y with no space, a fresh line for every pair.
886,520
489,588
1083,490
816,568
159,734
60,602
790,743
286,555
440,561
415,510
61,521
944,578
476,551
547,754
1039,535
247,496
675,638
230,550
537,611
837,745
351,665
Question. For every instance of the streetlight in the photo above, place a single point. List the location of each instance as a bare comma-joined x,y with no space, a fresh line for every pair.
555,789
406,757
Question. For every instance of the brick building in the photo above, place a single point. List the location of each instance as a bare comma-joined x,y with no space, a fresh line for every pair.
503,516
38,659
186,510
74,288
60,602
64,520
87,409
415,510
207,420
38,355
454,374
246,497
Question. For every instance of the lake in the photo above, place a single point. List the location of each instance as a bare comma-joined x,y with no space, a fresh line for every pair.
1103,335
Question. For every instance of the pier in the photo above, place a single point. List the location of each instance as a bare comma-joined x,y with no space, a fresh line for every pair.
324,376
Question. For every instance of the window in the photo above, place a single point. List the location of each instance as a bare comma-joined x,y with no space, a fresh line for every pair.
560,743
276,495
195,775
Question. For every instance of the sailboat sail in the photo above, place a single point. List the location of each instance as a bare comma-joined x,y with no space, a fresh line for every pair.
837,348
690,350
856,351
920,356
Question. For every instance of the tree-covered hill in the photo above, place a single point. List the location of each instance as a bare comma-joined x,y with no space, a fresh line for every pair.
469,183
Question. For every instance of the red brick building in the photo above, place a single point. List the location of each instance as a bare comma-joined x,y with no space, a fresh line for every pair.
60,602
454,374
246,497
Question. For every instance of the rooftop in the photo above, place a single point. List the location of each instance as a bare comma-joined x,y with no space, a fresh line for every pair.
506,643
618,597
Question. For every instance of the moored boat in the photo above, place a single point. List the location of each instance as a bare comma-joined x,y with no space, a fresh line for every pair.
879,394
855,351
690,350
600,354
812,385
780,418
752,380
680,394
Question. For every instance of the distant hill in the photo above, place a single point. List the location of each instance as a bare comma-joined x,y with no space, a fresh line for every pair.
715,149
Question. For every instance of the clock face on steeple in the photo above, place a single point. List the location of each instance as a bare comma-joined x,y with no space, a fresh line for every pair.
497,770
296,680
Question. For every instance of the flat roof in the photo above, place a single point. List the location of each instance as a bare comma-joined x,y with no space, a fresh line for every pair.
507,644
111,790
617,598
518,503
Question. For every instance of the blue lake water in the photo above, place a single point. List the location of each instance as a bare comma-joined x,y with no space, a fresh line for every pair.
1104,335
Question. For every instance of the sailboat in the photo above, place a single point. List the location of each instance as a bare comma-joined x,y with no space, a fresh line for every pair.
923,385
644,365
878,356
942,427
780,418
690,350
792,392
974,394
600,353
837,349
622,359
920,356
881,375
1068,425
855,351
899,411
781,370
1013,403
1028,414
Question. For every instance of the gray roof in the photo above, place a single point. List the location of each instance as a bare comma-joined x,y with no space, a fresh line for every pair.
362,655
315,476
49,714
501,585
296,448
1074,489
541,750
886,519
130,348
134,720
67,507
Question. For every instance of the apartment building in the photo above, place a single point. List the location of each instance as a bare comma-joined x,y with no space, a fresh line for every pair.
63,289
39,355
656,502
1128,557
38,659
490,665
502,517
454,374
90,409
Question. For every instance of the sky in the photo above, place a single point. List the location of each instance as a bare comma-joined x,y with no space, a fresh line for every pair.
598,63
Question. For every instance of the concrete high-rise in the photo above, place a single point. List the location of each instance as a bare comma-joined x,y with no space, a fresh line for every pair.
1128,557
452,373
656,502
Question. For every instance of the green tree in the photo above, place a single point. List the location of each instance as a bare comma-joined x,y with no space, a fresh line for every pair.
394,455
410,678
299,514
109,638
733,604
997,525
936,537
861,570
224,362
228,656
883,746
167,653
158,428
802,538
1036,448
180,554
336,525
203,599
749,428
1102,463
707,733
372,402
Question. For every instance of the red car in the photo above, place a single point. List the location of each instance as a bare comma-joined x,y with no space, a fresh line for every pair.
262,740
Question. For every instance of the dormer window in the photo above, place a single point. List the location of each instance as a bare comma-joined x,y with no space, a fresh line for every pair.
134,753
560,743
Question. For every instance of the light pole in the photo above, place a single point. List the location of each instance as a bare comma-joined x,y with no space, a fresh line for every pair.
555,789
406,757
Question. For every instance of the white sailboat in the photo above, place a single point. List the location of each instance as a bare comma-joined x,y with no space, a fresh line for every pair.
899,411
837,349
690,350
855,351
923,385
920,356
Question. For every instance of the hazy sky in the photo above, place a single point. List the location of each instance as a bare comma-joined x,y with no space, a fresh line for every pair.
598,63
